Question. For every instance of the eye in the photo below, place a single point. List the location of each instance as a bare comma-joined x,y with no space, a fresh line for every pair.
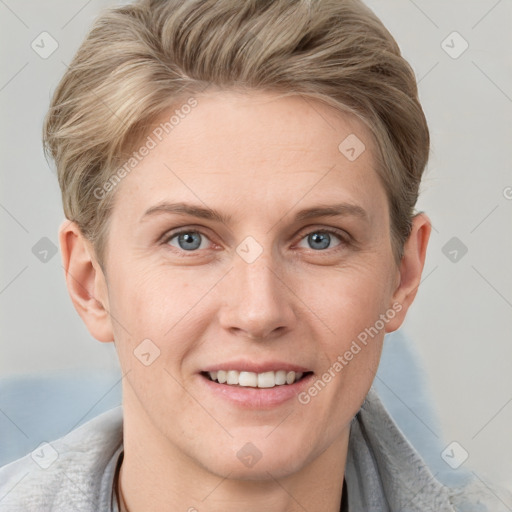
187,240
321,239
318,240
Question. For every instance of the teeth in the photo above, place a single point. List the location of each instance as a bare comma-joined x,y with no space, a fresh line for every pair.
255,380
267,379
280,378
248,379
232,377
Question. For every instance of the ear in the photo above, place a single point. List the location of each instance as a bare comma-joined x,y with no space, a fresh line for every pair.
85,280
411,267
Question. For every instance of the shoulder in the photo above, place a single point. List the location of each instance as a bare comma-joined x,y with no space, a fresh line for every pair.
68,473
384,467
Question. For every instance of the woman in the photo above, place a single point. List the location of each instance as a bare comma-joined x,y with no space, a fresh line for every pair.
239,181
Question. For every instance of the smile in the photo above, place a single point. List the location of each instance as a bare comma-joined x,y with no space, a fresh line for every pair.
268,379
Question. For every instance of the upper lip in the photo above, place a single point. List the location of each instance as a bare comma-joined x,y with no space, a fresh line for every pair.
243,365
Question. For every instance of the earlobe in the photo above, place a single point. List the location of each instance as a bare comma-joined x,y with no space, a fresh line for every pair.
85,281
411,268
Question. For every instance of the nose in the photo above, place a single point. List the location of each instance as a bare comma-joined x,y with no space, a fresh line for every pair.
257,302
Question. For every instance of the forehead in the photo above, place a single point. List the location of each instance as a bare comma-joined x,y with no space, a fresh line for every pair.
258,148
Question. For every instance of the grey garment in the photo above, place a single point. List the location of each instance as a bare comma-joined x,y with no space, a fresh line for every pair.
383,473
80,478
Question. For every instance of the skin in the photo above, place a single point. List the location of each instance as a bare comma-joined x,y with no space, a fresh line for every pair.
259,158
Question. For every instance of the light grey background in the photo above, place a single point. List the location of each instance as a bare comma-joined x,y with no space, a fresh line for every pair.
461,322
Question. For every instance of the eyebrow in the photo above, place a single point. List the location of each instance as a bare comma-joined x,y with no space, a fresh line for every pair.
332,210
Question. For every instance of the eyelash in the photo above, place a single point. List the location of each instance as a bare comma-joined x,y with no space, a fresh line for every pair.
344,238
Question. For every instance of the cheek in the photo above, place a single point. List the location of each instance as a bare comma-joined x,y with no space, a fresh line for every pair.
350,305
150,297
347,299
150,312
163,305
353,305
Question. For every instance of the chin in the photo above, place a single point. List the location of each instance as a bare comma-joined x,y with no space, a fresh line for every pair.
248,462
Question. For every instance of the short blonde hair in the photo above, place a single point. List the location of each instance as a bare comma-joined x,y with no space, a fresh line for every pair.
140,59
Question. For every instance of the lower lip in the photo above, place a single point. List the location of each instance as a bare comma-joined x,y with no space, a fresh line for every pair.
257,398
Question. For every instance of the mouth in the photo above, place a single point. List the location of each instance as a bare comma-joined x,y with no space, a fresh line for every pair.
255,385
263,380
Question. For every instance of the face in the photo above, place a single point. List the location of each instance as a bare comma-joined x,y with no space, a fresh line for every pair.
288,274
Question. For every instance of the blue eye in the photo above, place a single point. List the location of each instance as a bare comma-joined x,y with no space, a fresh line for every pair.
318,240
187,240
321,239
